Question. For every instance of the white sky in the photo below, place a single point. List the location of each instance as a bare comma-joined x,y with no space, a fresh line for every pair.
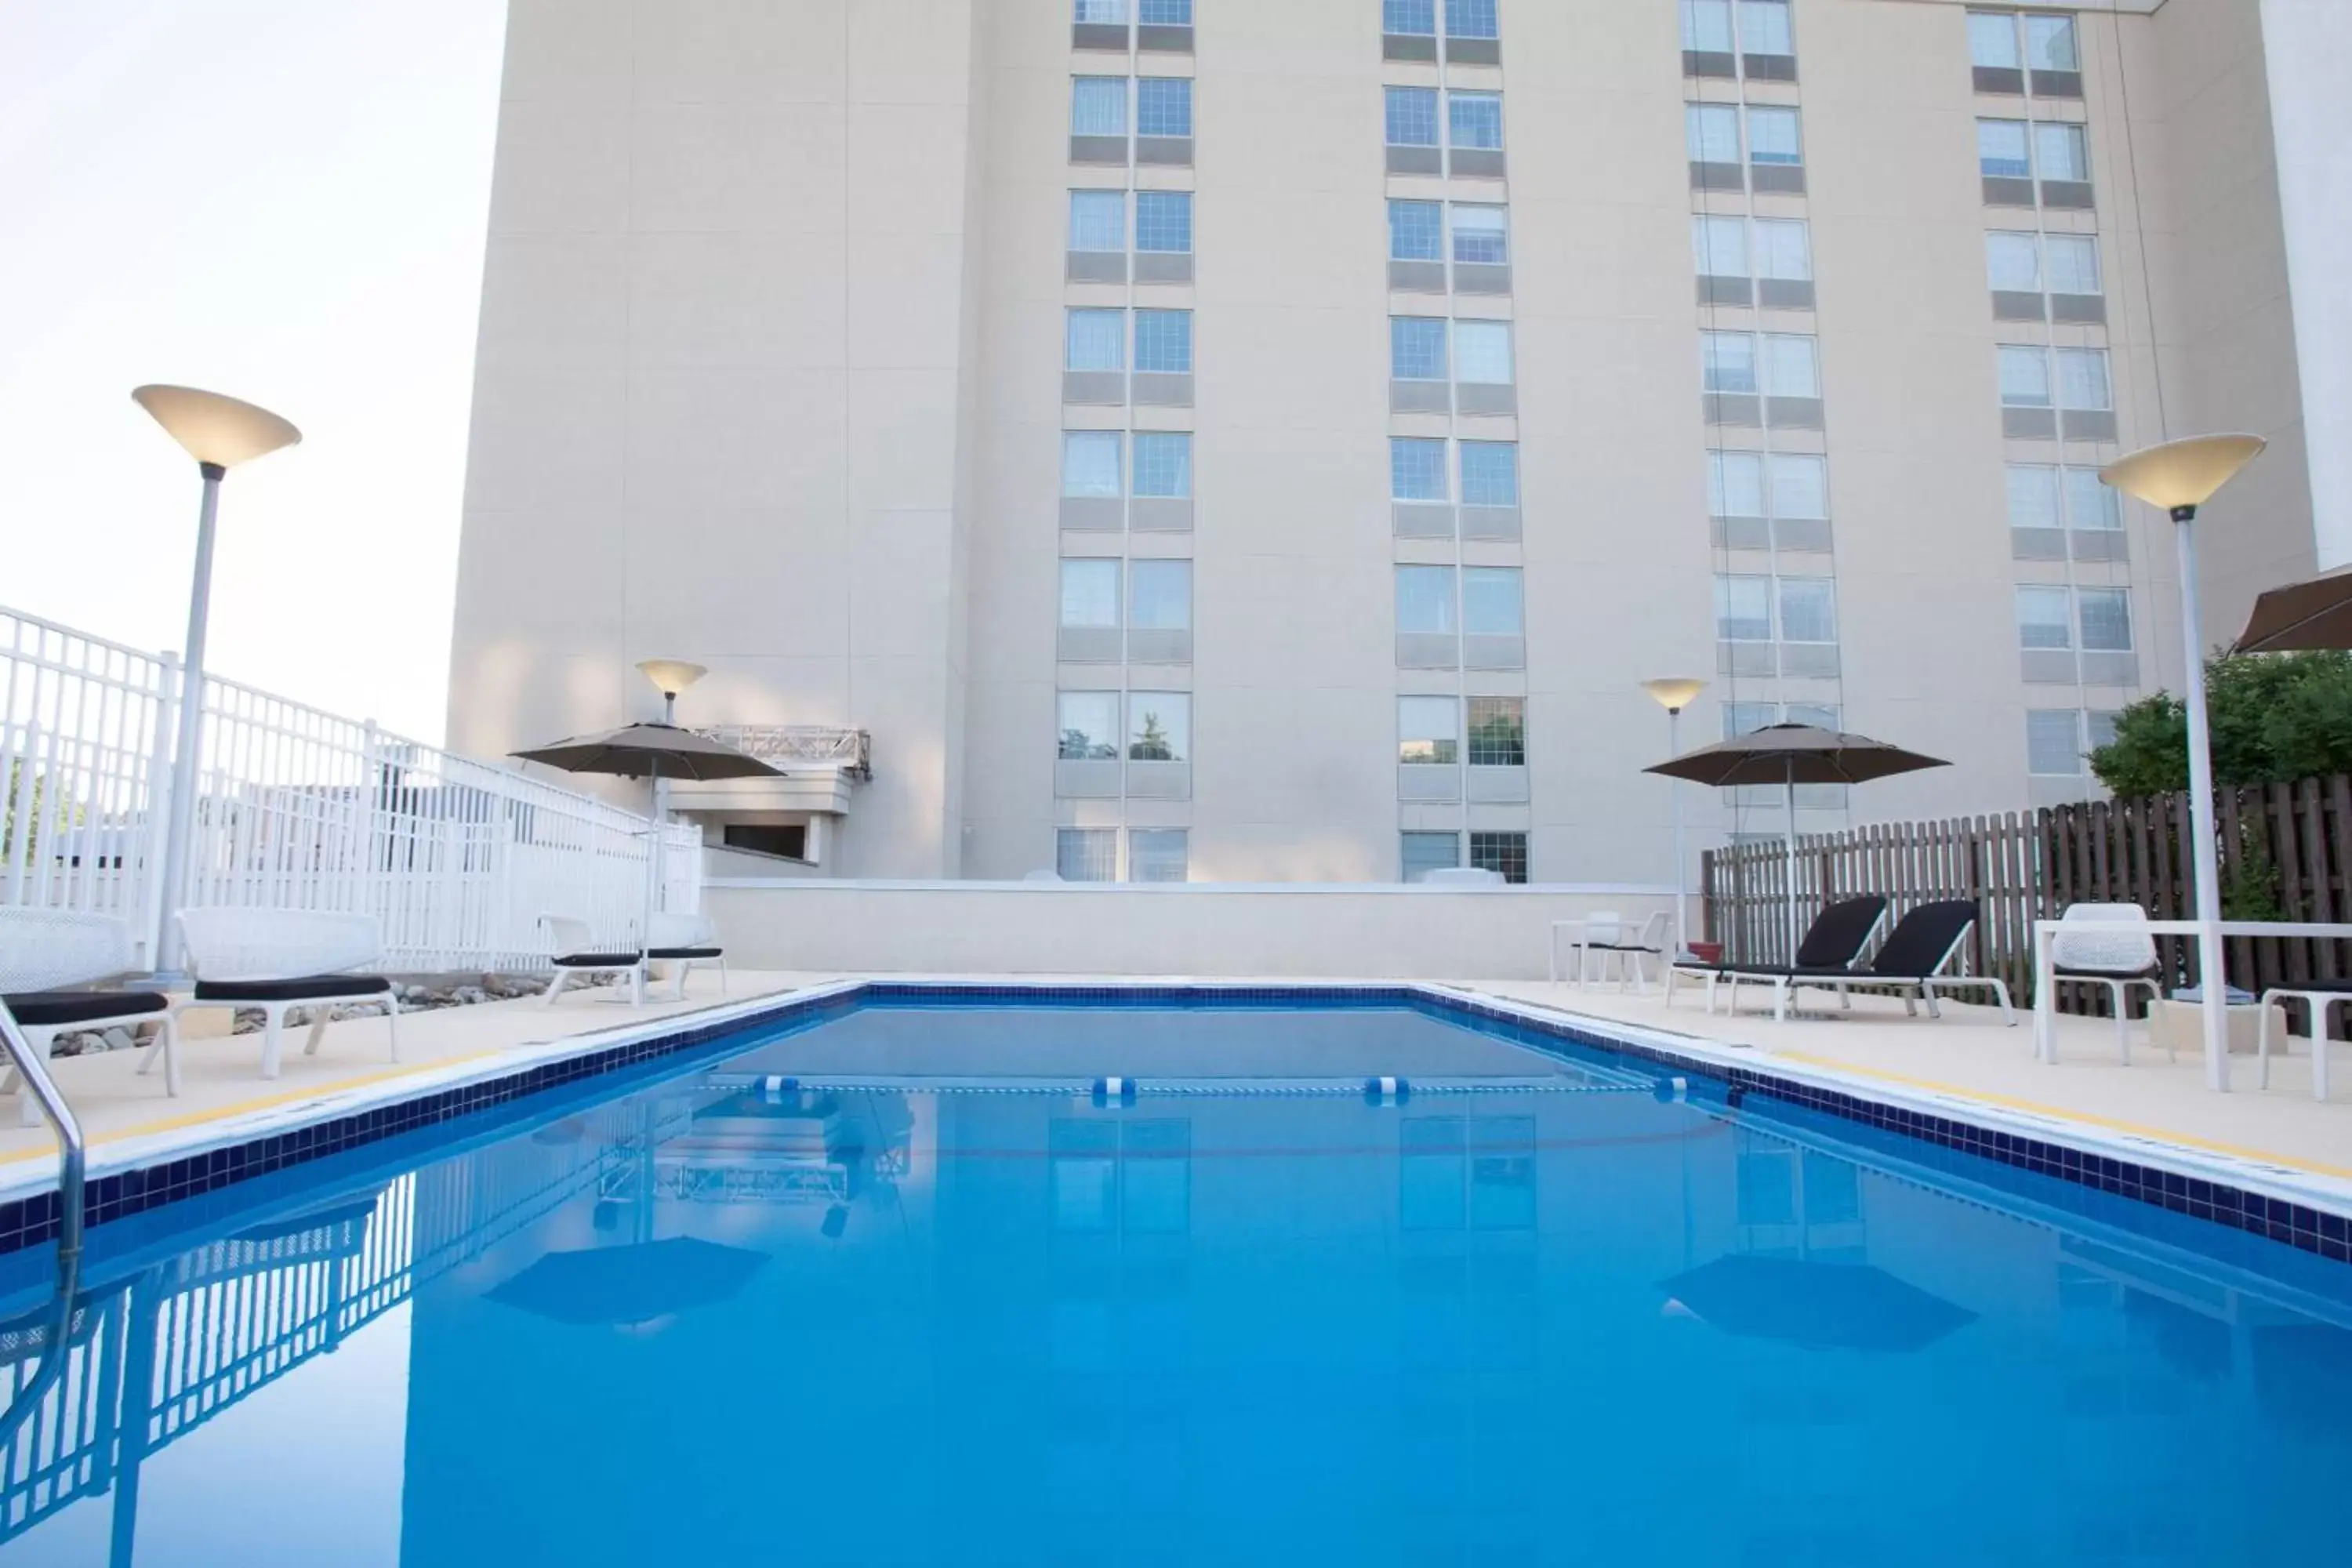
283,200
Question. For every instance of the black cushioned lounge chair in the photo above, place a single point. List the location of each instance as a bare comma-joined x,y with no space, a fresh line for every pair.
1912,963
1832,944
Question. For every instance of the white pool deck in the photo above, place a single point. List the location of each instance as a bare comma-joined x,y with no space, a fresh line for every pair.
1966,1065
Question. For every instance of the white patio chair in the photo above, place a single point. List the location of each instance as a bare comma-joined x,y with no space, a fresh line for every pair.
281,960
1612,937
2317,996
686,941
43,949
2099,946
578,952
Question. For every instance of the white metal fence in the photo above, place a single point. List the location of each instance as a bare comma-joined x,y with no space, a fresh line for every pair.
297,808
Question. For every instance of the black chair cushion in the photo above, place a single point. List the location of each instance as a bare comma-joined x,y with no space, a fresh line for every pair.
1923,939
309,988
2064,973
684,953
2318,987
47,1009
596,960
1839,932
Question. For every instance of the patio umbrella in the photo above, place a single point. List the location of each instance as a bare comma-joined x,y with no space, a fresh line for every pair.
656,752
2312,615
1788,755
633,1284
1822,1306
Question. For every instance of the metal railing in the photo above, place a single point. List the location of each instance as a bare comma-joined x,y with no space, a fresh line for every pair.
782,745
72,1149
296,808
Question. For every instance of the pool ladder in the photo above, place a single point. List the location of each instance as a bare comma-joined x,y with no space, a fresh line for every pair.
71,1148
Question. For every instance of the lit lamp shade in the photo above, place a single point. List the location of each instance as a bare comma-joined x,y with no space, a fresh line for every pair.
1674,695
215,430
2183,473
671,676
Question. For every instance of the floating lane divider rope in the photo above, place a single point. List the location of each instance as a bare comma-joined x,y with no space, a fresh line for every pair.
1109,1091
1119,1090
1386,1091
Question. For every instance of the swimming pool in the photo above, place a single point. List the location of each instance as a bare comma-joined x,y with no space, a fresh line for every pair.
912,1284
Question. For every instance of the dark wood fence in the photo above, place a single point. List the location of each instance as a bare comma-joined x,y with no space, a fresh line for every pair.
2284,853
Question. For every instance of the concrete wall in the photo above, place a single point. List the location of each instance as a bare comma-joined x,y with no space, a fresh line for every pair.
1014,927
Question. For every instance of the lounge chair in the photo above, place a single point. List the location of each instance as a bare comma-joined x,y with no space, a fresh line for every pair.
686,941
578,953
1615,939
1911,962
2317,996
1832,944
2100,947
41,950
281,960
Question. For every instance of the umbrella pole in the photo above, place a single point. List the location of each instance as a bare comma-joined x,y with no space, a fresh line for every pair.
653,885
1791,787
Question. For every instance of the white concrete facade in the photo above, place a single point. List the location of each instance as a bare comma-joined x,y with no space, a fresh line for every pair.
774,377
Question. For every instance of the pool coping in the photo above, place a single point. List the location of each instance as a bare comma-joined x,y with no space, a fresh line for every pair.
2308,1209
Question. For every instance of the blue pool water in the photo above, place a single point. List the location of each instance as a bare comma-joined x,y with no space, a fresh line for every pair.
1536,1313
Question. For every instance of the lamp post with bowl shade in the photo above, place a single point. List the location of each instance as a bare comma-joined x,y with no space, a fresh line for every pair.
220,433
2180,476
1674,694
671,677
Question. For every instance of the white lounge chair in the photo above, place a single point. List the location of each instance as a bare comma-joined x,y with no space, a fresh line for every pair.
43,949
578,952
2099,946
283,960
685,940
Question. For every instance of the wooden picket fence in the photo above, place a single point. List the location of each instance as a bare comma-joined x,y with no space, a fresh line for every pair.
2286,854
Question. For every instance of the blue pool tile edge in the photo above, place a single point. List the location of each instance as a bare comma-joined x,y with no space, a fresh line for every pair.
149,1177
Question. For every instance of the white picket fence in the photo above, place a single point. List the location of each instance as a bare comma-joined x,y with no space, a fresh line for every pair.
297,808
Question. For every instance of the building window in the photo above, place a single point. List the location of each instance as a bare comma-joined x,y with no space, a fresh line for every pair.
2025,377
2014,263
1719,246
2002,151
2083,381
1098,220
1163,222
1727,362
1801,486
2050,45
2073,264
1481,235
1098,106
1747,718
1492,604
1416,231
2045,618
1504,852
2033,496
2061,151
1498,731
1163,465
1413,116
1474,119
1166,14
1090,466
1159,595
1163,106
1992,40
1772,137
1409,18
2090,502
1417,348
1764,27
1417,468
1423,853
1158,727
1808,609
1089,722
1087,853
1089,593
1424,599
1784,249
1428,731
1101,10
1157,854
1735,484
1743,609
1163,342
1097,340
1490,473
1713,133
1481,352
2053,742
2105,614
1707,26
1791,366
1470,19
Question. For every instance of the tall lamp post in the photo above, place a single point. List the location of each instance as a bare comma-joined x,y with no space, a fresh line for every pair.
220,433
671,677
1674,695
2180,476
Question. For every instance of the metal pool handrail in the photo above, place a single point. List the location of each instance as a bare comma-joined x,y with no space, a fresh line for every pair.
71,1148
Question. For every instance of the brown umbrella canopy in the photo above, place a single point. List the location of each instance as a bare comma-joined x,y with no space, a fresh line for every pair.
649,751
2313,615
1794,754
